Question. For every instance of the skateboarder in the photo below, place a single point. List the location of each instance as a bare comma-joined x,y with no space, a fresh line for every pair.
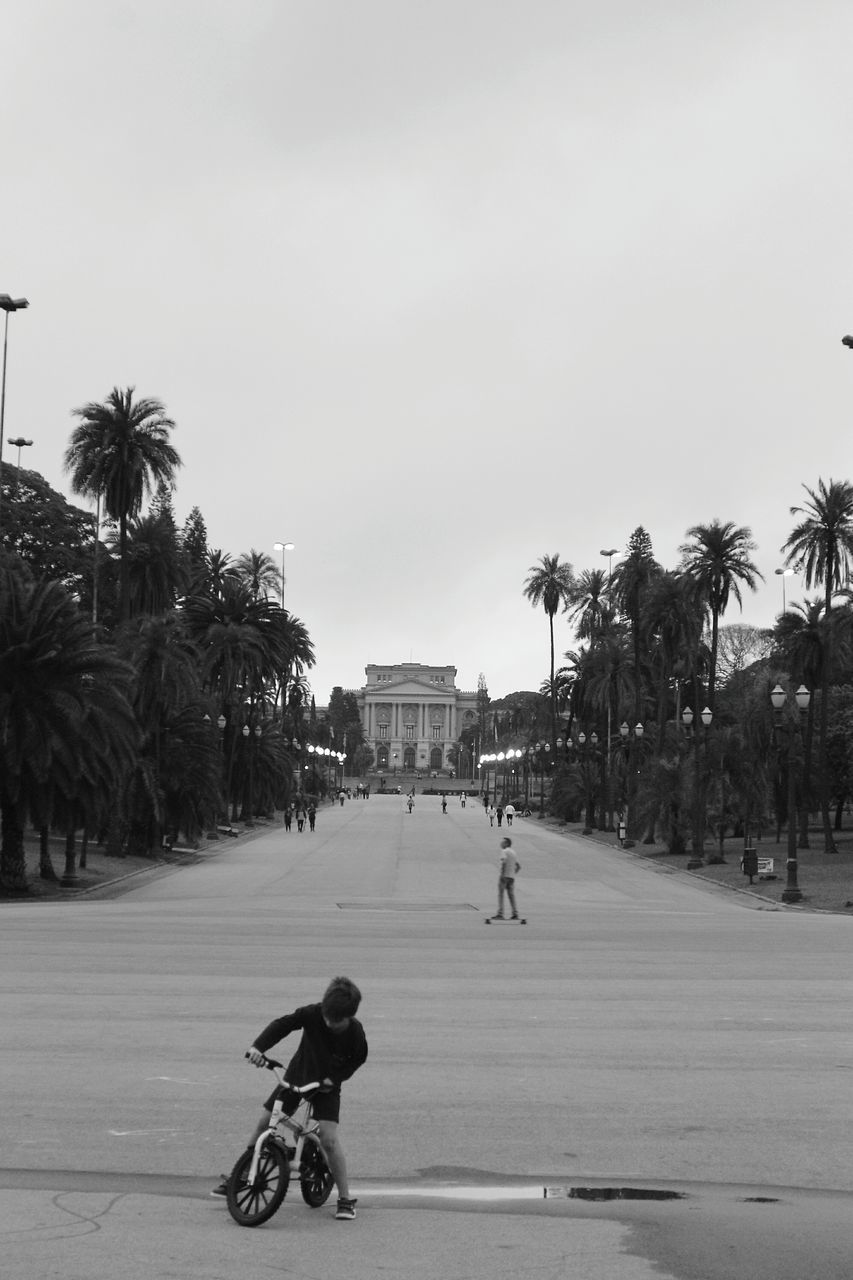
509,869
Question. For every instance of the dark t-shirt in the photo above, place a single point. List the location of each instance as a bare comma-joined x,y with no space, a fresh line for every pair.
321,1053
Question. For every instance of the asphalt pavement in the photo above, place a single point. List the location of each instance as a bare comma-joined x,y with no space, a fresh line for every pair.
650,1078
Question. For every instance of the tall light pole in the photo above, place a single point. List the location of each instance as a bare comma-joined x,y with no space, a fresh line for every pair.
19,443
608,555
783,574
282,547
8,305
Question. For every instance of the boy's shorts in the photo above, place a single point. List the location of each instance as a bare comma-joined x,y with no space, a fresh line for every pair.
327,1106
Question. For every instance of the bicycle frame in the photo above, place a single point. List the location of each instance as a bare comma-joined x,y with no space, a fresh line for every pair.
281,1126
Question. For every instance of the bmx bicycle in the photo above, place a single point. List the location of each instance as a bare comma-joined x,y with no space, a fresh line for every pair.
259,1180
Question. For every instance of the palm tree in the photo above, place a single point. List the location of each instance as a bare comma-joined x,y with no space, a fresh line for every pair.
156,571
821,546
65,714
550,583
219,569
248,646
718,564
120,451
588,604
674,629
259,572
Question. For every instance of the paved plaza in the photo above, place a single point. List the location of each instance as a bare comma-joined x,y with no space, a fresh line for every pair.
644,1034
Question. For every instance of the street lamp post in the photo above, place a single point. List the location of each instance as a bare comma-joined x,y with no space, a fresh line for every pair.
793,762
697,856
608,555
8,305
19,443
246,731
629,792
282,547
783,574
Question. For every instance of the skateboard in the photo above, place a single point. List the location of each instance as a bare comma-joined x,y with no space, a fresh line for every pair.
509,920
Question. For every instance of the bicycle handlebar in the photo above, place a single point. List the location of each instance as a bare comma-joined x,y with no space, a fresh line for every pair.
278,1067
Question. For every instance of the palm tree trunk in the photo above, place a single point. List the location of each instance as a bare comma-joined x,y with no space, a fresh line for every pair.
124,579
553,690
13,864
46,871
69,876
805,804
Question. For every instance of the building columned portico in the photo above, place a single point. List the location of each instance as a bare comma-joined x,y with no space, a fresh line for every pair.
412,715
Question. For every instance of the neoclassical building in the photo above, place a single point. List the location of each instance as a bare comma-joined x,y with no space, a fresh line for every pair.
413,714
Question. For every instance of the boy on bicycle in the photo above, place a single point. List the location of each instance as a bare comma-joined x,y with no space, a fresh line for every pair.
332,1048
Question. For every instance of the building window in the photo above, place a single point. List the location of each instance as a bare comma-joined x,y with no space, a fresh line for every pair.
383,731
410,731
436,730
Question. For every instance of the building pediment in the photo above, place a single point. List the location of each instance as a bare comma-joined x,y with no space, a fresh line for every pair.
396,689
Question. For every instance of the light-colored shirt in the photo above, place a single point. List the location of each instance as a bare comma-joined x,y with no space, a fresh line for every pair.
509,864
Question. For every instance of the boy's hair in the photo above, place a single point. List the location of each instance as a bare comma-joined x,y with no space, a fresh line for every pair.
341,999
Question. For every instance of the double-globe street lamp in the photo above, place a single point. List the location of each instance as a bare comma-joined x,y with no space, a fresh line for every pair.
7,304
246,731
793,755
697,859
629,793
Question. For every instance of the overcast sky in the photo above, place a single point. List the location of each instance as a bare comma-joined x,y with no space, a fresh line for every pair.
434,289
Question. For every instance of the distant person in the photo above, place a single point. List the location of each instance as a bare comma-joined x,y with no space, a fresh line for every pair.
507,871
300,817
312,814
443,803
464,798
509,814
288,817
500,814
490,812
410,802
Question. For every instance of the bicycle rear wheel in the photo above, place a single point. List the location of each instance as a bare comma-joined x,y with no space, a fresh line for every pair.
315,1176
250,1205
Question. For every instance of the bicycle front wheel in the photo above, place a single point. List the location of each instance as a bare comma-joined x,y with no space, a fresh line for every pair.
252,1204
315,1176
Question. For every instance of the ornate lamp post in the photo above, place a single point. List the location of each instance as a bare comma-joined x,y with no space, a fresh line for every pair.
793,760
629,793
696,859
251,746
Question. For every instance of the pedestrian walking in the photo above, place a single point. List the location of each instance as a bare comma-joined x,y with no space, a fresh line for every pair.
491,815
509,814
288,817
500,814
312,814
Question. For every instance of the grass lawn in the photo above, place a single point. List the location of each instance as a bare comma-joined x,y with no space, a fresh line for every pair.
825,879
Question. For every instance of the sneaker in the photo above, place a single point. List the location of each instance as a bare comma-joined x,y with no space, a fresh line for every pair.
496,917
346,1209
222,1190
